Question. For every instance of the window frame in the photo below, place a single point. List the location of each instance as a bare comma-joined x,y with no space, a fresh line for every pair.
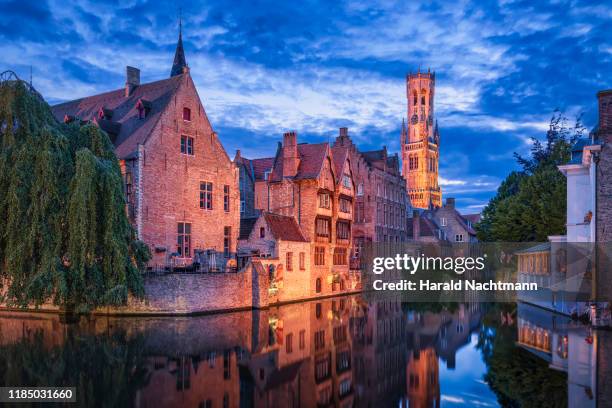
206,195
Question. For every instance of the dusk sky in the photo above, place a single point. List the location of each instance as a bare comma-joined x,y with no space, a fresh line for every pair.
262,68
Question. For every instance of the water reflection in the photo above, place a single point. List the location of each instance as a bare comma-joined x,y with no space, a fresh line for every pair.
338,352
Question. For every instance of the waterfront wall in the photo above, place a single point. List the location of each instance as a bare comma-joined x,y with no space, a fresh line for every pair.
187,294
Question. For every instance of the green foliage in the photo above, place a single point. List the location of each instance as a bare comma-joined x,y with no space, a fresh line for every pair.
65,236
531,204
107,370
517,377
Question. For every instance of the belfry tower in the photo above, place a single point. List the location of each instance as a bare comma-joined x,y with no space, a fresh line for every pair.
420,142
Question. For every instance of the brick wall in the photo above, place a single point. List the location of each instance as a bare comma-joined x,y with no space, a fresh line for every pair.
170,182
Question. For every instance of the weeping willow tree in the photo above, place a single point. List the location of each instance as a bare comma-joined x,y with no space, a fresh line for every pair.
64,233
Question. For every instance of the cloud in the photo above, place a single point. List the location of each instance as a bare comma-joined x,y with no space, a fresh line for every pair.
501,68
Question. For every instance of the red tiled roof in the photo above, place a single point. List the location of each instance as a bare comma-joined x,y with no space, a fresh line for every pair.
260,166
132,130
311,162
339,155
284,228
426,226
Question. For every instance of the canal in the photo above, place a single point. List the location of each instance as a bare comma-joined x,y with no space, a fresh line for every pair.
336,352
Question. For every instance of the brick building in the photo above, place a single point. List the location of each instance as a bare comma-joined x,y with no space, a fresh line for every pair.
312,183
420,142
181,187
443,224
381,202
603,134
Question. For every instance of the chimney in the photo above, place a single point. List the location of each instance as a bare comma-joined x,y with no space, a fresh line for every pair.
343,132
450,202
291,159
604,99
132,80
416,225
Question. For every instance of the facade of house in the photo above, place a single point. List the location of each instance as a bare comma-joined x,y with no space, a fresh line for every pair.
381,203
443,224
181,187
314,185
420,142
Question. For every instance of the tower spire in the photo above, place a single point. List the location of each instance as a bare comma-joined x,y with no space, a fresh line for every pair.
179,65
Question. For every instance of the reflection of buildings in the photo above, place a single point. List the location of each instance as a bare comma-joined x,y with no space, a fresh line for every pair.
336,352
582,353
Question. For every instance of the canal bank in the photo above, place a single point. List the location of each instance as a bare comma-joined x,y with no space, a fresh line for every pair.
189,294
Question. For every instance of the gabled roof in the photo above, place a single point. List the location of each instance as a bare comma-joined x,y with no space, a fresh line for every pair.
125,116
284,228
339,156
311,158
426,226
260,166
246,226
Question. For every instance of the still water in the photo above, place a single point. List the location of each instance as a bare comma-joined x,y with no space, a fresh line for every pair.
337,352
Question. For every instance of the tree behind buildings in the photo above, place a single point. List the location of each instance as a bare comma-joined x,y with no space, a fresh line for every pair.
530,204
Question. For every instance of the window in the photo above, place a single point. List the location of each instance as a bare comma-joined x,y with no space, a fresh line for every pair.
289,261
324,200
187,114
302,261
226,401
226,198
322,368
206,191
360,189
319,339
345,387
183,242
345,205
227,241
340,256
346,181
289,343
318,307
319,261
459,238
187,145
242,206
322,227
267,174
262,232
359,212
443,221
226,364
343,230
302,339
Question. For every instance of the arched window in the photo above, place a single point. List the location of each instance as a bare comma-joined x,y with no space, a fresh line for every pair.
318,285
415,100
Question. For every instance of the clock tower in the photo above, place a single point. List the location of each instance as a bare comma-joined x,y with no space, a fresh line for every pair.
420,142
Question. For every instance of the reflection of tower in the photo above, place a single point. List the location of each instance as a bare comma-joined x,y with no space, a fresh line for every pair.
422,378
420,142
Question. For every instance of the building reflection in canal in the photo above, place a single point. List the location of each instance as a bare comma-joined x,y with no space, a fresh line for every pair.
338,352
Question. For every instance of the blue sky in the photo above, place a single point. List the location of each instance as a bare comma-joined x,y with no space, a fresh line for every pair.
265,67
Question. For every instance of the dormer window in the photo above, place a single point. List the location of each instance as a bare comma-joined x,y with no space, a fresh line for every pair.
105,113
187,114
144,107
266,174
